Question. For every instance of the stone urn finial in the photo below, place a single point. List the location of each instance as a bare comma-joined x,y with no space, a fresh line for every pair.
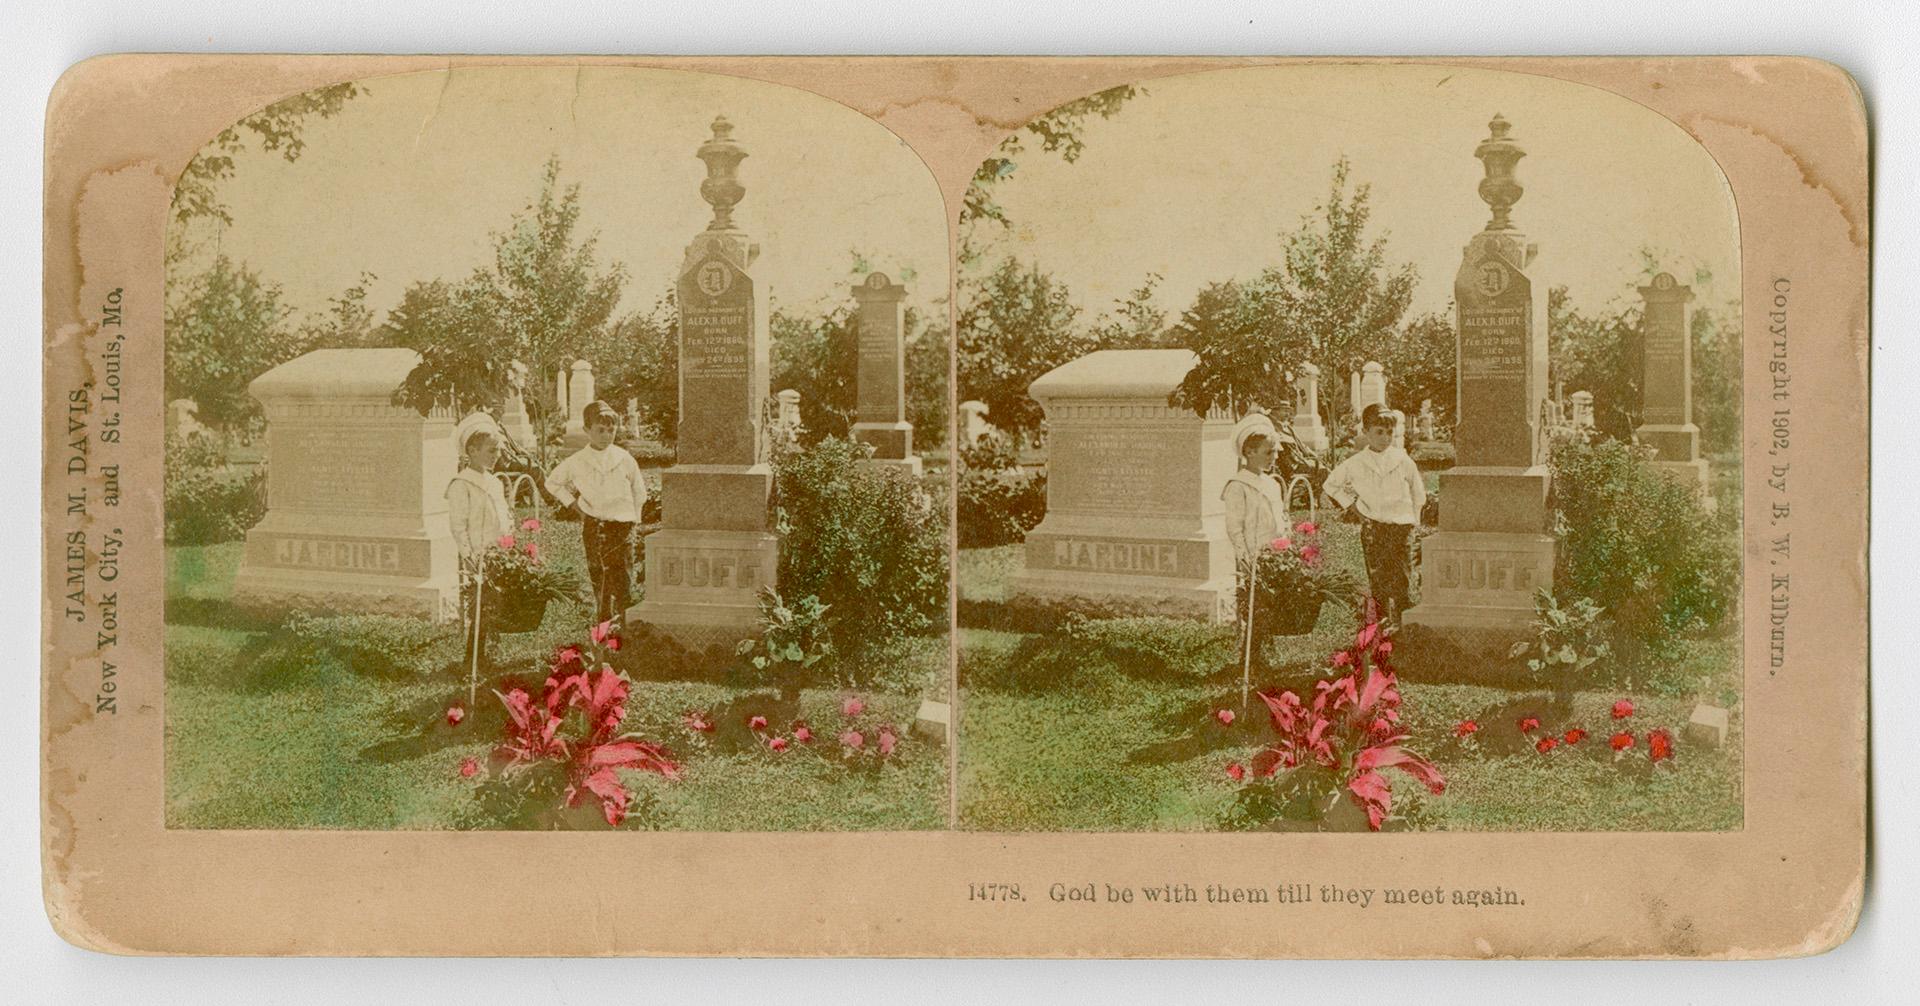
722,186
1499,153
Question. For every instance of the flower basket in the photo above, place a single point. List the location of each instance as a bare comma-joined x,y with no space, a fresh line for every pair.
518,611
517,586
1295,582
1298,619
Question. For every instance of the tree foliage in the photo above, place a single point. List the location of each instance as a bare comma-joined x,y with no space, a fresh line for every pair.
276,128
1059,131
1019,324
1419,358
227,327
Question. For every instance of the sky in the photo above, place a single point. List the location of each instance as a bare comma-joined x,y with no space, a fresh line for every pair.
410,179
1199,178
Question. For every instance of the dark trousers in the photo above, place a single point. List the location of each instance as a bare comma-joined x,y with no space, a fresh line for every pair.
609,548
1385,546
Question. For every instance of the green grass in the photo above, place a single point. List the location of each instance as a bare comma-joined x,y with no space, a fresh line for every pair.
1083,732
268,730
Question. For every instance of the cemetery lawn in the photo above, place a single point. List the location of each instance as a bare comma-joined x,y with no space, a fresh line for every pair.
264,730
1115,731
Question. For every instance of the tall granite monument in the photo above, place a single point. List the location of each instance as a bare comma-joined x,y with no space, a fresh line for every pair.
716,548
1666,382
1308,428
1479,571
1134,517
882,377
356,492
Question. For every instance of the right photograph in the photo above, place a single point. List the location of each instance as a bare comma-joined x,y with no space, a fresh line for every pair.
1349,447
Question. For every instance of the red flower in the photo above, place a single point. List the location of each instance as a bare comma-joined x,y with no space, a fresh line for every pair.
853,706
567,655
456,713
532,550
1466,728
469,767
887,740
1306,527
530,524
1310,554
778,743
1385,648
1529,724
1225,716
1342,658
1546,744
853,739
697,722
1659,745
1574,736
802,733
1280,544
612,643
1236,772
1621,741
506,541
1622,709
757,723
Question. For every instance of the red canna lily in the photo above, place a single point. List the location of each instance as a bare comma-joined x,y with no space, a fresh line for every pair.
1529,724
1659,746
1225,716
1342,658
1466,728
1621,741
1371,791
756,723
1385,648
456,713
1236,771
853,706
601,632
1575,735
1622,709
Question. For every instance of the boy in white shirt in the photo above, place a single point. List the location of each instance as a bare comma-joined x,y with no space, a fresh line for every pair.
603,482
1382,485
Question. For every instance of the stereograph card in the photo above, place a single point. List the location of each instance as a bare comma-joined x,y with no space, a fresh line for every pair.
1178,507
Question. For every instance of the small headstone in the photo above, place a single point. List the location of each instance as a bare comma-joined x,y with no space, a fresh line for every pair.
1308,428
1666,385
1581,403
789,414
882,393
1707,726
357,519
579,395
974,423
1134,517
513,411
1426,420
933,720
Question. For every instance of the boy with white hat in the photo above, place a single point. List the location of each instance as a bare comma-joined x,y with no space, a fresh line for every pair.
1256,506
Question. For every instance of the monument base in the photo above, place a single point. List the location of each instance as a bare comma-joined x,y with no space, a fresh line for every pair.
1481,580
1208,600
1476,498
889,440
1692,473
703,586
910,465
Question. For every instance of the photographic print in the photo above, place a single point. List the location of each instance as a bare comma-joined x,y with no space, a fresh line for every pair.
1350,447
541,453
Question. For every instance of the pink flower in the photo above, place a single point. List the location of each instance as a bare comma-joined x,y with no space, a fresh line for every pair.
612,643
803,733
506,541
1385,648
1575,735
1622,709
887,740
602,632
566,655
1659,746
1546,744
532,550
1225,716
1310,554
1306,527
1236,771
530,524
456,713
1467,728
757,723
697,722
1621,741
1281,544
1342,658
778,744
469,767
1529,724
853,739
853,706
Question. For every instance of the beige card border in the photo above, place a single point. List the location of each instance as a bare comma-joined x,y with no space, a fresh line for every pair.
1791,136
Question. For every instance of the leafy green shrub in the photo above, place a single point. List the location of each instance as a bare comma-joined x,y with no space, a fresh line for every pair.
206,500
793,638
993,452
999,507
1567,641
865,540
1641,545
377,645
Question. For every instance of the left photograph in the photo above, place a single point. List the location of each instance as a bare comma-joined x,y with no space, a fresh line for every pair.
557,448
